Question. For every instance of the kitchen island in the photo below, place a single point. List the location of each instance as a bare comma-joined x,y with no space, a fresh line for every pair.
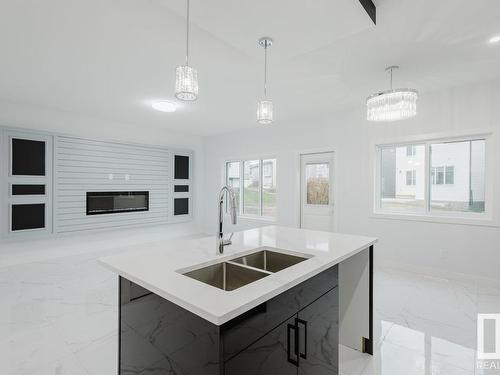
276,302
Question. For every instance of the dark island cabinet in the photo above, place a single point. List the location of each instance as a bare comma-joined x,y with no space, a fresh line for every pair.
318,332
295,332
270,355
306,344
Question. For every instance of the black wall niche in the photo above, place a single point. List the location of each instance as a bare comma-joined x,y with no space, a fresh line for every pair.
181,206
21,189
181,167
28,216
28,157
181,188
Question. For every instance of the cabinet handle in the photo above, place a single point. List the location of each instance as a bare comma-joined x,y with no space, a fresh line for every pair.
293,361
304,323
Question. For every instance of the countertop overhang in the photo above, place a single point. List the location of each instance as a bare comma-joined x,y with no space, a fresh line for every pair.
155,266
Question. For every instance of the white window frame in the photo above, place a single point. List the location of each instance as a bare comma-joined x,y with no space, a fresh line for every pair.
242,161
490,217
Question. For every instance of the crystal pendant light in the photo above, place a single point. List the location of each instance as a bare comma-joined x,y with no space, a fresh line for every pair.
265,106
393,104
186,77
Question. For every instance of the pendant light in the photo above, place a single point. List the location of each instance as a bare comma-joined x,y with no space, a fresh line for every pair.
186,77
265,106
393,104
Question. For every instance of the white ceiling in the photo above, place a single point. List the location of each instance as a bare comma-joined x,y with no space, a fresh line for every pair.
109,59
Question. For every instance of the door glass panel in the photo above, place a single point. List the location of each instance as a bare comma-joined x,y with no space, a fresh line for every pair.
318,183
251,193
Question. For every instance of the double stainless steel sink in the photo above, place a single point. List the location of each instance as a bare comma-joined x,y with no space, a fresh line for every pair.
243,270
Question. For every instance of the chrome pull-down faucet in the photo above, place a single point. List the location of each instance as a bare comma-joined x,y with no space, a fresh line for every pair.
232,208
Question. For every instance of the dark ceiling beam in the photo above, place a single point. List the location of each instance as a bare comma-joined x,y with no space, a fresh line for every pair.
370,8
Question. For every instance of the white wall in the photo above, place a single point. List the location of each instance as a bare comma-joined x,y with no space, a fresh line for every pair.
42,120
449,247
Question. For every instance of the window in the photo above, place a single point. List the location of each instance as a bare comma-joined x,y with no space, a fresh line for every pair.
254,185
411,150
399,188
251,187
443,175
458,185
451,177
269,187
233,178
411,177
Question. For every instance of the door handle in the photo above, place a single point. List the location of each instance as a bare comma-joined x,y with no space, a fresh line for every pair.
304,323
293,361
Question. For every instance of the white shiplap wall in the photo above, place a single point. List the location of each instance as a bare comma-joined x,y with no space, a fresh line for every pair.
82,165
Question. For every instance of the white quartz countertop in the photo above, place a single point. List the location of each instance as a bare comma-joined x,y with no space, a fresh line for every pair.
155,267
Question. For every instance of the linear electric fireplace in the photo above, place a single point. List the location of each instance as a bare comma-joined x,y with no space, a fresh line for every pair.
112,202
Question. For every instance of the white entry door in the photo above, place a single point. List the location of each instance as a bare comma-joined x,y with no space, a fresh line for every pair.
316,191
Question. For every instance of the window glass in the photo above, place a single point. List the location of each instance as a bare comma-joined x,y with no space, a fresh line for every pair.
402,173
269,187
411,177
318,183
450,175
457,176
233,179
251,184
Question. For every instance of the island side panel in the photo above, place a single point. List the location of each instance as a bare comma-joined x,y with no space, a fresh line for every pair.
159,337
356,301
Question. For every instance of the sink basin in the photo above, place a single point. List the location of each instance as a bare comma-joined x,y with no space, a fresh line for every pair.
268,260
235,273
226,276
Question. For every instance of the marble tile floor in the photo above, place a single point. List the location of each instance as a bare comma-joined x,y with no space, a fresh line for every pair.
59,316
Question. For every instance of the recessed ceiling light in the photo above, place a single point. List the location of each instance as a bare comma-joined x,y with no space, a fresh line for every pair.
164,106
495,39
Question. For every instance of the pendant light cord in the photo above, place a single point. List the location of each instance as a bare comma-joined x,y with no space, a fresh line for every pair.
187,33
391,76
391,69
265,71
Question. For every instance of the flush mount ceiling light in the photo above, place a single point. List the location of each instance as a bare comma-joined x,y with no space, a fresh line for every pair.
495,39
164,106
393,104
265,106
186,77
